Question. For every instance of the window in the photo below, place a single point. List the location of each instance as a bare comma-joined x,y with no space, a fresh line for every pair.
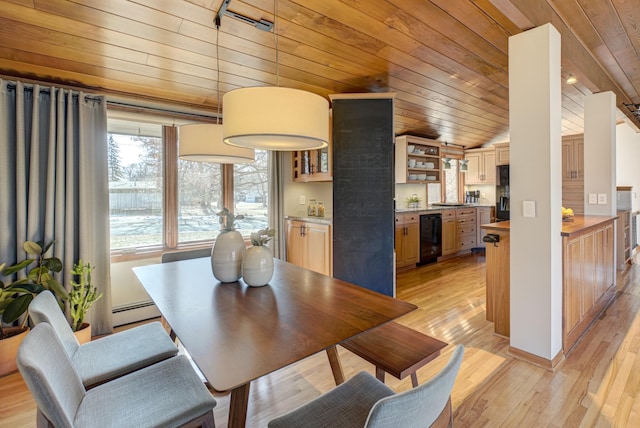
451,182
159,202
250,189
135,190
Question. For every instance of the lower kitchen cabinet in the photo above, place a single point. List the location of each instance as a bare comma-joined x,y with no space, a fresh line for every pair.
309,245
448,235
407,240
465,229
484,215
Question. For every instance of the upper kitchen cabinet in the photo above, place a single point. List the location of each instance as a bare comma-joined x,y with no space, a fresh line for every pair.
481,168
573,157
573,173
417,160
312,165
502,153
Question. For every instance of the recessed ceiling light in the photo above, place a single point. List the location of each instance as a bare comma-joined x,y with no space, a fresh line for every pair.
571,79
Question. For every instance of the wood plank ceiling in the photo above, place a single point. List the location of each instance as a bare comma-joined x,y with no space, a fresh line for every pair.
446,60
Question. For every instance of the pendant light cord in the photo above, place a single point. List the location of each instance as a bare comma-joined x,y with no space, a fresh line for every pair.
275,38
218,67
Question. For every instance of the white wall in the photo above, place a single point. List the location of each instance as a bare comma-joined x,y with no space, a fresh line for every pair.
321,191
627,157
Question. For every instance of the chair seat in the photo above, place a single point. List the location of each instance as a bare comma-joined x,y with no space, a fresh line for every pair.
167,394
113,356
337,408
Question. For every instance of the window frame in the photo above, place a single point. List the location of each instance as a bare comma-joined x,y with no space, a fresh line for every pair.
170,205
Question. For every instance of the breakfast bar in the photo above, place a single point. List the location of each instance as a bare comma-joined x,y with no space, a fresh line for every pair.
588,270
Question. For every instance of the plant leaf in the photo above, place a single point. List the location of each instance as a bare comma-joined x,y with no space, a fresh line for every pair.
32,248
46,247
17,267
16,308
54,264
57,289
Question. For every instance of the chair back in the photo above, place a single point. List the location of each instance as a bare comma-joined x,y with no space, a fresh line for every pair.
420,406
49,375
45,308
186,255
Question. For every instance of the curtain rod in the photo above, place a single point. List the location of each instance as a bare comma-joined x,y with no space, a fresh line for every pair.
47,90
133,108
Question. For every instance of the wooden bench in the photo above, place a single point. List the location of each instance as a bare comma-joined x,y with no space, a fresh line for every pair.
392,348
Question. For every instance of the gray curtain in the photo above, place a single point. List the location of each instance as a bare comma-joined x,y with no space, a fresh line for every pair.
53,181
276,203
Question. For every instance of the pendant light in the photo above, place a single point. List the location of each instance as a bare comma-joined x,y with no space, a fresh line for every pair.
203,142
446,160
463,165
275,118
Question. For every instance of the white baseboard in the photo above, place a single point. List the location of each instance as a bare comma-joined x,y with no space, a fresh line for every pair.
134,313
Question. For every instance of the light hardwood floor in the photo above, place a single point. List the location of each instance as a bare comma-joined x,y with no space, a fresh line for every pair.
597,385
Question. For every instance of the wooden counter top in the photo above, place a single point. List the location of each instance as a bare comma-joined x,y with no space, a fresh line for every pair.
580,223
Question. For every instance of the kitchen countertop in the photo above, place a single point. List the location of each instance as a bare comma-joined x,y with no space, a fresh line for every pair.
579,224
319,220
432,208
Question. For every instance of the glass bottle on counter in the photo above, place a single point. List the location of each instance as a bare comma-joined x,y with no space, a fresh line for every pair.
320,209
312,208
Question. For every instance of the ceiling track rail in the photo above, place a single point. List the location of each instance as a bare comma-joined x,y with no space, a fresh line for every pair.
261,24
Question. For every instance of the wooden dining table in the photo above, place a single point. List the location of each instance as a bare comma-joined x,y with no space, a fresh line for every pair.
236,333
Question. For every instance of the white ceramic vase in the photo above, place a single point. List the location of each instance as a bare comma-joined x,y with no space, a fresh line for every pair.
257,267
227,255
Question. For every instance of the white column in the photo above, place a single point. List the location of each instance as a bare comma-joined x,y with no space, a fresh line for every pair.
536,245
600,154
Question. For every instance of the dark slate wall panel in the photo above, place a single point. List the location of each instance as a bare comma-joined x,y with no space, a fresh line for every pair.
363,188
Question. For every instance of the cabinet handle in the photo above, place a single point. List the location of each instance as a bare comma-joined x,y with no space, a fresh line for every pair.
312,167
304,229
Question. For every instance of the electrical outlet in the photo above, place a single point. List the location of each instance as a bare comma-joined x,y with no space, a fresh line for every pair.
602,199
303,200
593,198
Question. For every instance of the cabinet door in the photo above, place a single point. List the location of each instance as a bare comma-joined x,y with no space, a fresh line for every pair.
448,236
567,161
295,243
318,242
578,158
312,165
489,164
473,174
502,155
399,244
572,284
483,216
412,244
588,273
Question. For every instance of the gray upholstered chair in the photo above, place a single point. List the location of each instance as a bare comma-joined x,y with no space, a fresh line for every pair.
364,401
186,255
166,394
109,357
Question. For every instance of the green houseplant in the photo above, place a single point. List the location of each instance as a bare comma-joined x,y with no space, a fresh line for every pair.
83,294
16,295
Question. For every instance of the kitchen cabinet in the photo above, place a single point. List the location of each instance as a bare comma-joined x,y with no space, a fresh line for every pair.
588,265
448,232
465,229
417,160
484,215
309,245
573,173
481,168
624,239
312,165
502,153
407,240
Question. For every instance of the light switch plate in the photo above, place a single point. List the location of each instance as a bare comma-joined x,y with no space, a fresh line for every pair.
602,199
593,198
303,200
528,208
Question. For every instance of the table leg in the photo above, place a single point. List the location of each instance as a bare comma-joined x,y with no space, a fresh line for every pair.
238,406
414,379
380,374
336,366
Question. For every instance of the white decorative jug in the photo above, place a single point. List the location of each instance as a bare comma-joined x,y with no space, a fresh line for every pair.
257,266
227,255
